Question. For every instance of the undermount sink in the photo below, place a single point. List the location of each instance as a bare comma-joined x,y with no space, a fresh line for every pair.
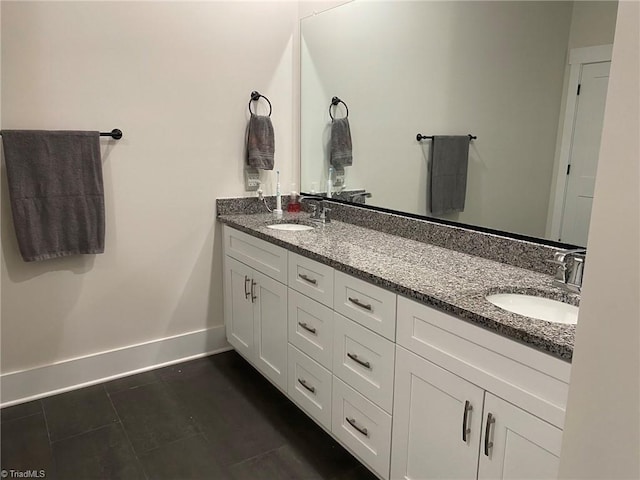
536,307
290,227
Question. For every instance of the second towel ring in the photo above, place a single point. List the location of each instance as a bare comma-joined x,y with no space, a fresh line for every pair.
334,102
255,96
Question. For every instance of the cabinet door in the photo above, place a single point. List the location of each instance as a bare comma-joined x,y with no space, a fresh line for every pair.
429,420
238,309
270,328
518,445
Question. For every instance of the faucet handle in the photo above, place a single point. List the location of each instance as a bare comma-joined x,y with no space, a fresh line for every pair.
576,271
325,215
561,271
314,210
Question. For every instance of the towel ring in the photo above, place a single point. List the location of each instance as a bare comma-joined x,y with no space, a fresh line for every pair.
255,96
334,102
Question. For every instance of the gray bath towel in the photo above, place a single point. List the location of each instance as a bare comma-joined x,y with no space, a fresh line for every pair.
448,173
56,192
260,142
340,148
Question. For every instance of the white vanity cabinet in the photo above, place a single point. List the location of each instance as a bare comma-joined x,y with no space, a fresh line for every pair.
454,422
411,391
255,303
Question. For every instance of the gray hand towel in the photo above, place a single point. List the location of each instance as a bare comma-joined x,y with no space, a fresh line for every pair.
56,192
340,148
260,142
448,173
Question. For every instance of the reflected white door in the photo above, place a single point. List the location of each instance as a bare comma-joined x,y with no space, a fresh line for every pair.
585,148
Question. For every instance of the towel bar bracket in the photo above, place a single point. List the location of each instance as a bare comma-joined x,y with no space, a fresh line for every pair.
116,134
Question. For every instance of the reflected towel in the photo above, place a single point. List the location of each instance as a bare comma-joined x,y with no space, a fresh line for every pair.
260,142
56,192
340,148
448,173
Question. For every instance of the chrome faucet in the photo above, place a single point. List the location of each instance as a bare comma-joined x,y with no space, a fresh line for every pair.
319,212
570,269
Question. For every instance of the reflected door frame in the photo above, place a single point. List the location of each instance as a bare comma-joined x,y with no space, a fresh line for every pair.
578,57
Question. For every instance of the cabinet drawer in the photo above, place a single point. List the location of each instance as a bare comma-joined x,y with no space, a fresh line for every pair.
313,279
311,328
371,306
262,256
310,386
364,360
362,427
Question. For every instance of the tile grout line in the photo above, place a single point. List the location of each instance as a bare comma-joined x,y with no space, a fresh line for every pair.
256,456
46,425
22,417
173,441
126,434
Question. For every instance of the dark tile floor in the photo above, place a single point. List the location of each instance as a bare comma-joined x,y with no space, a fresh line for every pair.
211,418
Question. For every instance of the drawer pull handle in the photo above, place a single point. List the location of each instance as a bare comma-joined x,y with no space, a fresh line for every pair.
352,422
308,387
360,304
246,280
253,295
487,444
307,327
465,430
355,358
312,281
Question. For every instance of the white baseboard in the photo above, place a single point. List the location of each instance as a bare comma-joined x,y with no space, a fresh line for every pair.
22,386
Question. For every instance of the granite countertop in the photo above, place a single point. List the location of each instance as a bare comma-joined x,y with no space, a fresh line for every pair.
445,279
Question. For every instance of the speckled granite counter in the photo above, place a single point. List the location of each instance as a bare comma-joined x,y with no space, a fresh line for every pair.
451,281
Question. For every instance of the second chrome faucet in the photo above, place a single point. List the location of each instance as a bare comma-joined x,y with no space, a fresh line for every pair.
570,267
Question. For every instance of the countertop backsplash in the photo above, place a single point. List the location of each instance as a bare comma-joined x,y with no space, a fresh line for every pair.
519,253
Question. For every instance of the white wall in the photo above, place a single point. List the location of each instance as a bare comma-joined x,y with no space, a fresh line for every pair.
493,69
176,78
592,23
602,428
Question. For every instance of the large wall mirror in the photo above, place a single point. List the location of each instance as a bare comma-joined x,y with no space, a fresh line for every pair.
504,72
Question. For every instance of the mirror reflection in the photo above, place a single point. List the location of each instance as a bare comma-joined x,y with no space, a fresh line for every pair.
507,73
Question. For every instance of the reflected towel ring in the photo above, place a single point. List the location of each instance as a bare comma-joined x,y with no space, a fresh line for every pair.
334,102
255,96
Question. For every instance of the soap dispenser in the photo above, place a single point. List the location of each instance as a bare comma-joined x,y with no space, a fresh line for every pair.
294,202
